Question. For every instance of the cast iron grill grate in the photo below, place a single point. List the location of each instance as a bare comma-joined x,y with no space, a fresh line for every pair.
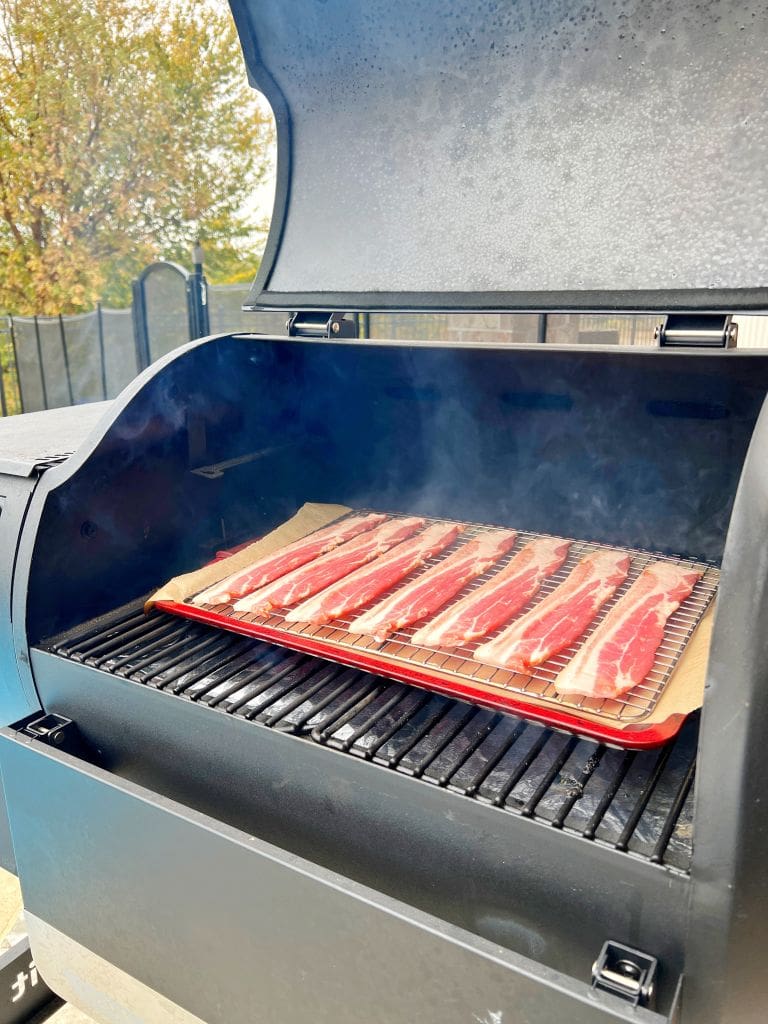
636,802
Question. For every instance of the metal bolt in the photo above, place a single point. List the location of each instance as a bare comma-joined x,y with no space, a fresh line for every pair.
335,327
628,969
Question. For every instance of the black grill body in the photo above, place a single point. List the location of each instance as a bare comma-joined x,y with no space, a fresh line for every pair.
455,862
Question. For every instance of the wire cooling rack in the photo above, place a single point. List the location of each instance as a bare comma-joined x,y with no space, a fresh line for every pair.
399,651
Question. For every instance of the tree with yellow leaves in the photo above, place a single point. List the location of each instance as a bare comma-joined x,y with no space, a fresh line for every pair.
127,130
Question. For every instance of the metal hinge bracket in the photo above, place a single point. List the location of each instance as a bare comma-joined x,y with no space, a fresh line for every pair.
56,731
320,325
627,973
697,330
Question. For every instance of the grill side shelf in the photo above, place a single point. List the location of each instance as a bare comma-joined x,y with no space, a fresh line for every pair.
639,804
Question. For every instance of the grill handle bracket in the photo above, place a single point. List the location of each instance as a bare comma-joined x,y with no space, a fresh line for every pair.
56,731
627,973
697,330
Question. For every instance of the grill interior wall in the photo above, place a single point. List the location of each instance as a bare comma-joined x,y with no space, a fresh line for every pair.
640,449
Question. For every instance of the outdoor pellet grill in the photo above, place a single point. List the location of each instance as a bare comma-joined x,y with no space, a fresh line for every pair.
215,826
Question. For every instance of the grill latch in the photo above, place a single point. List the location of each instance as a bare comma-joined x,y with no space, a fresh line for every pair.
320,325
697,330
56,731
627,973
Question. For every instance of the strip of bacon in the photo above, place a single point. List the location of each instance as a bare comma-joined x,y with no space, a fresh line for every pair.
621,651
495,602
368,583
272,567
309,579
561,617
436,586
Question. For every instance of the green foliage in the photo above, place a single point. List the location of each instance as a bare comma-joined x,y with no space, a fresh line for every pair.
9,380
127,130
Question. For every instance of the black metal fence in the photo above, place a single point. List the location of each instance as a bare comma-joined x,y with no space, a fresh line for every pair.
51,361
47,362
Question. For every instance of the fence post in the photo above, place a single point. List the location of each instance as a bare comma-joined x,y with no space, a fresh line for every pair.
100,332
197,296
140,329
40,363
19,390
541,329
65,353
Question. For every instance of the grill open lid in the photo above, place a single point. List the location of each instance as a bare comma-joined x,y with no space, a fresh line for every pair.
516,155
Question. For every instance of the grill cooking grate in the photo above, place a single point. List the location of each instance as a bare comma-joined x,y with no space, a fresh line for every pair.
640,803
399,649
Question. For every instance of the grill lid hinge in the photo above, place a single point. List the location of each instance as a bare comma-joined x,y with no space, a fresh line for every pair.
626,973
320,325
697,330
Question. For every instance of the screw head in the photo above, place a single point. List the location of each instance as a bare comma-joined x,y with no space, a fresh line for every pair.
628,969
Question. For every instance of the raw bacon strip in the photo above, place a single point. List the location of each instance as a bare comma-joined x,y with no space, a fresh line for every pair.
369,582
436,586
496,601
303,582
272,567
561,617
621,651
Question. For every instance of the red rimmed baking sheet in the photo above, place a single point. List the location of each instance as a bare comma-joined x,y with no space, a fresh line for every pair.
637,721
